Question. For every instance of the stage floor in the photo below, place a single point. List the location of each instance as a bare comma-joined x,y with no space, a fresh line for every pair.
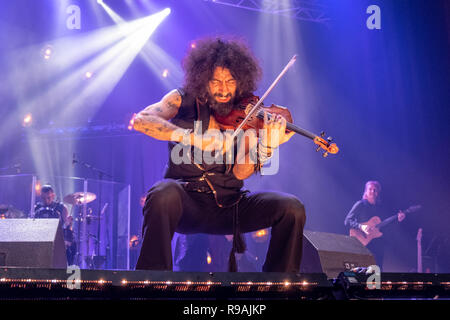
81,284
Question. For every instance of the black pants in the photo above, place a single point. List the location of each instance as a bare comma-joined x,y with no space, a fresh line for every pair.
170,208
377,248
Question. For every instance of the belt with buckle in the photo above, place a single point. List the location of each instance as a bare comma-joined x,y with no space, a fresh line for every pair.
196,187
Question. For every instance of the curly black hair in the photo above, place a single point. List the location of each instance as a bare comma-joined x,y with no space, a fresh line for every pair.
209,53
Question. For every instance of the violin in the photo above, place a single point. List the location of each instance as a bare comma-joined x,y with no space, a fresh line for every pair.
256,122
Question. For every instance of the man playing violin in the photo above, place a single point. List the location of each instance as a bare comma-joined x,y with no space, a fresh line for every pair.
201,196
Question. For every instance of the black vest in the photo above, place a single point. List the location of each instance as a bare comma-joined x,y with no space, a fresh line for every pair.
217,178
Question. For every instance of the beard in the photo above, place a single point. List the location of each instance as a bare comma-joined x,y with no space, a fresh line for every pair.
221,108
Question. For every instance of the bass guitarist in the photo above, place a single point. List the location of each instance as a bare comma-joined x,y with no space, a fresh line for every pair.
365,209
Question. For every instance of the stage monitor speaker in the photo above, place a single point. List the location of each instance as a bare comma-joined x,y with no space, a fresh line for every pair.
332,253
35,243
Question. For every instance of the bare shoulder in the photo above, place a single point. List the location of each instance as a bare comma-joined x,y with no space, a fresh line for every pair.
167,108
172,99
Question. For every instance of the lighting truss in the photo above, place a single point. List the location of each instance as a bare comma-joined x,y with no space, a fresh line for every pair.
83,132
307,10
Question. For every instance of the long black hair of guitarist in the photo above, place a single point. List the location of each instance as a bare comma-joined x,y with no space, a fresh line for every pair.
361,219
201,197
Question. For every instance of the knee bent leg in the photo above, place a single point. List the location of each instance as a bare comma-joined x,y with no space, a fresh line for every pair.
164,197
295,209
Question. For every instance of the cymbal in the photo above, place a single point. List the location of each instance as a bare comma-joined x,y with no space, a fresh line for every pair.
78,198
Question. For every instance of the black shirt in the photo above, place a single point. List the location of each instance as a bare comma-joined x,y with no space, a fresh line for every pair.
361,212
53,210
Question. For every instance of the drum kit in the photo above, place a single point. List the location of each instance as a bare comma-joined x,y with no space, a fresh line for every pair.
80,198
77,200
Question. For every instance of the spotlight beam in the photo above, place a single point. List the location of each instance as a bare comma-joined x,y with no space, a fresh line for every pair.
110,67
66,93
114,16
155,58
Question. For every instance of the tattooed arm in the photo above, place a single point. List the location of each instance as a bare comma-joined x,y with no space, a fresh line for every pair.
153,120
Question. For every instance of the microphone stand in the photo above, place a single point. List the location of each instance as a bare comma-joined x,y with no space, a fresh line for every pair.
90,167
101,174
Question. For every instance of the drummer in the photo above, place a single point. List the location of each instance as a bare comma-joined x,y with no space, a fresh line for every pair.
49,208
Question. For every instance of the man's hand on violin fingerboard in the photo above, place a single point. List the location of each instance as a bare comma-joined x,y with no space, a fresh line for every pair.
274,132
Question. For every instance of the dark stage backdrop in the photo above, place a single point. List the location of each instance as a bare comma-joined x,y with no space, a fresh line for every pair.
383,95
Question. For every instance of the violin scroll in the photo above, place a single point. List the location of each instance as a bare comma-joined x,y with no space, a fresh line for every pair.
325,145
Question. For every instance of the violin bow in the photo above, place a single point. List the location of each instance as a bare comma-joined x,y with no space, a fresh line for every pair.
264,96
